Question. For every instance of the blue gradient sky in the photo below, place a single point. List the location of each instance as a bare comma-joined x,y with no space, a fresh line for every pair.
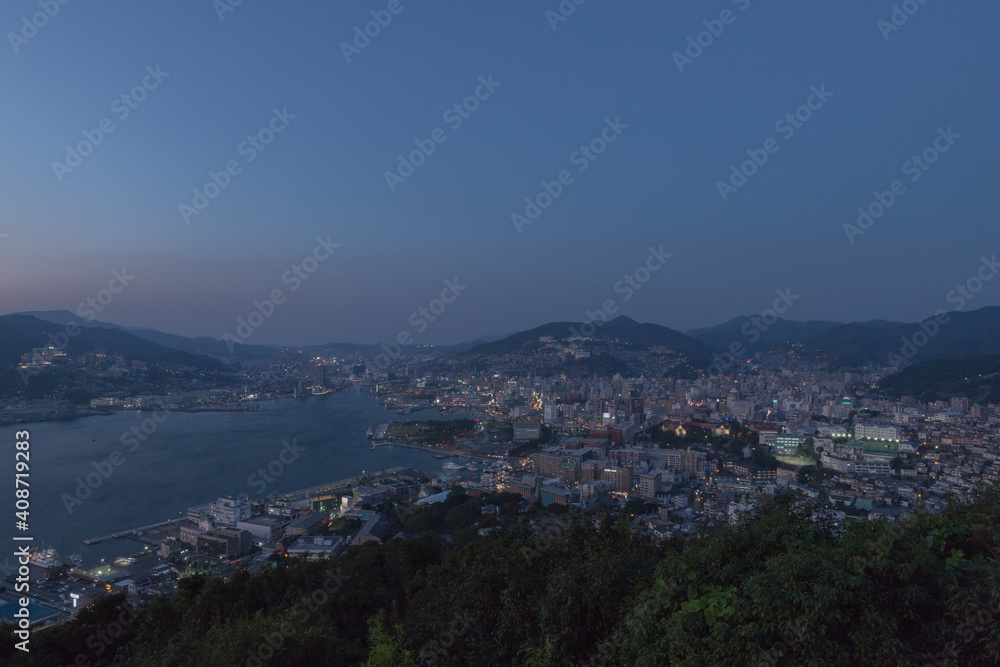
324,175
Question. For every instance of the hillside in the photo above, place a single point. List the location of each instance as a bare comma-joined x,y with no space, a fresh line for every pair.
759,337
841,345
975,332
621,331
21,333
786,587
202,345
38,333
852,345
976,378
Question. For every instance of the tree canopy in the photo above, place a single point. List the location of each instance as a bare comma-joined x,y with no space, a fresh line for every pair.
788,586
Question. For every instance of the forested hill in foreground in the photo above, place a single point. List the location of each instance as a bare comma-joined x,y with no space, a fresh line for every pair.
784,588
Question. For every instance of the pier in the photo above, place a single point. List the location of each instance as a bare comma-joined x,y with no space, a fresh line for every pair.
131,533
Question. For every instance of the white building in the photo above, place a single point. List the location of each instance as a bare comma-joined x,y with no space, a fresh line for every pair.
855,467
228,511
876,432
265,528
551,413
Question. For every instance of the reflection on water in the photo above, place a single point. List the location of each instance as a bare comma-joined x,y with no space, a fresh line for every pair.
98,475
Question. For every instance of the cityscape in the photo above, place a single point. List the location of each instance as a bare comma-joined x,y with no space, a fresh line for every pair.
678,454
542,334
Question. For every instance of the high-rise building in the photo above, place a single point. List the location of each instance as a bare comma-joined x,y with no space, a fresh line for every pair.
652,483
319,375
636,407
619,478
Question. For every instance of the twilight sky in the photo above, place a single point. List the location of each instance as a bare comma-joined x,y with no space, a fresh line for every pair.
551,92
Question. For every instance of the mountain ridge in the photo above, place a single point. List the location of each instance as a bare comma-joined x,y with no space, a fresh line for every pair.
622,330
199,345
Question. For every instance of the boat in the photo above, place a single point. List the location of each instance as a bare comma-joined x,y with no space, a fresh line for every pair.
440,456
453,466
369,433
45,558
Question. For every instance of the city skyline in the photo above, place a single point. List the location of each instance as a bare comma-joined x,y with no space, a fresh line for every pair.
529,333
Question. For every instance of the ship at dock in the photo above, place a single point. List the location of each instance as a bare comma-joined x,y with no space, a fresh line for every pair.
45,558
46,564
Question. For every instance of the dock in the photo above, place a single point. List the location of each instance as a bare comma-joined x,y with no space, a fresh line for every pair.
130,533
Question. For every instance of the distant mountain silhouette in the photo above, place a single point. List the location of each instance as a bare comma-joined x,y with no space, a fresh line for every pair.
621,330
965,333
857,344
756,336
976,378
841,345
468,345
200,345
22,333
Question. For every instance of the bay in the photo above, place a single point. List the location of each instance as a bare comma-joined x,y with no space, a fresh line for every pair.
190,459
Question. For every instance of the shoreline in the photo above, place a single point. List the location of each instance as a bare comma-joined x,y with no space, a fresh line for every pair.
81,412
112,534
132,533
439,450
